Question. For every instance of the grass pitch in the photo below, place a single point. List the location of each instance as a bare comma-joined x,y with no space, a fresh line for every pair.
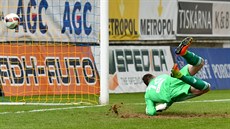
125,111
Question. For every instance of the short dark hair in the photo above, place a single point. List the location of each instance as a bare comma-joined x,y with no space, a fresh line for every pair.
146,78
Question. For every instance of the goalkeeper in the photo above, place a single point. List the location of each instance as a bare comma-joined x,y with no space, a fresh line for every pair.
162,91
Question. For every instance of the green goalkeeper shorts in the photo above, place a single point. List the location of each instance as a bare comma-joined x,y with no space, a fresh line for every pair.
180,90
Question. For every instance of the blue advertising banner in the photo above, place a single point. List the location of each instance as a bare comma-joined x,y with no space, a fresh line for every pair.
216,70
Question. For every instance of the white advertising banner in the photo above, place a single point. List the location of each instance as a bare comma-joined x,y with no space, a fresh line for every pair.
158,19
52,20
221,19
129,64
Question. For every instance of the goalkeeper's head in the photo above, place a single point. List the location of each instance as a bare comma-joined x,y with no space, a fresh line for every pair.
147,78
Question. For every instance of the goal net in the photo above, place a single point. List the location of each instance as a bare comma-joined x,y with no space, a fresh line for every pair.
53,55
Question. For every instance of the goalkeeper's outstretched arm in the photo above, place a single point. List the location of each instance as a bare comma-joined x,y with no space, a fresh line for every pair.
150,107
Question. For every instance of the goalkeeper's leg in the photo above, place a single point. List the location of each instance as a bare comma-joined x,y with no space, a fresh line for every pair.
198,84
196,62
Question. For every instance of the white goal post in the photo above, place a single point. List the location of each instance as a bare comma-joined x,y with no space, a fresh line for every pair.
57,55
104,52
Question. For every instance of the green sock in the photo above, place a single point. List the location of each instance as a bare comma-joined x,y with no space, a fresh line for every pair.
192,58
195,82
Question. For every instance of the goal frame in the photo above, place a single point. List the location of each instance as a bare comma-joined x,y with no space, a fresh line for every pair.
104,52
104,60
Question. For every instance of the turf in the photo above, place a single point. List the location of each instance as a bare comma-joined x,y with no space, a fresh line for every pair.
192,114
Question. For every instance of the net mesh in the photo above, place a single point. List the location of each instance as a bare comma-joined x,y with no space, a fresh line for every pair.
52,56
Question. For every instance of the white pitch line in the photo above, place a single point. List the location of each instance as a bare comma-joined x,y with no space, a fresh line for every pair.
49,109
75,107
198,101
206,101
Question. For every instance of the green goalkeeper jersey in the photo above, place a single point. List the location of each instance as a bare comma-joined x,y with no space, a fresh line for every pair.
166,89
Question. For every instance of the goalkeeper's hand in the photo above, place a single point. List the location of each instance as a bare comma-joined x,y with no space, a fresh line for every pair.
161,107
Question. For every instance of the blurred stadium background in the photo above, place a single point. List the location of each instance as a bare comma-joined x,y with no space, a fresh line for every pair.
151,30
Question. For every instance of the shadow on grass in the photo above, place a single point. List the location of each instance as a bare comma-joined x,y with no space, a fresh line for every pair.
119,110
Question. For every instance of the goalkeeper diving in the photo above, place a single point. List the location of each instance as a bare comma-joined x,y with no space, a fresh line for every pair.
163,90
